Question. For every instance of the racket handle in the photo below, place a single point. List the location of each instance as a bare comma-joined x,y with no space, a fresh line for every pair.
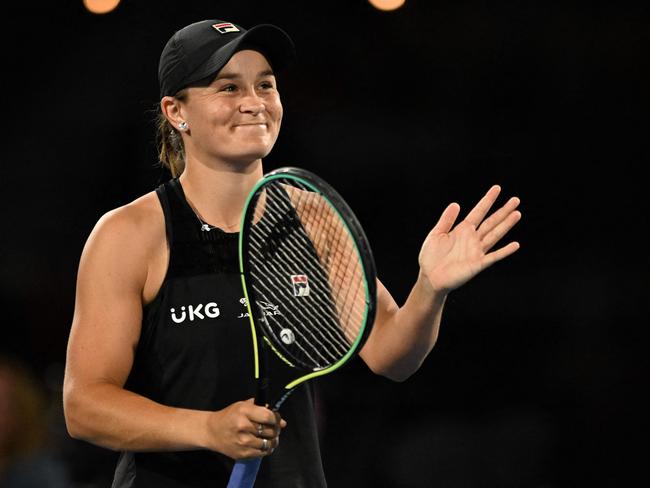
244,473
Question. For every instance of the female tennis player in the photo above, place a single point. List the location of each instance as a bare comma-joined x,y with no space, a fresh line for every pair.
159,358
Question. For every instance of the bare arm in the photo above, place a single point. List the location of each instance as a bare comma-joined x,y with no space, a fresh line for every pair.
403,336
106,326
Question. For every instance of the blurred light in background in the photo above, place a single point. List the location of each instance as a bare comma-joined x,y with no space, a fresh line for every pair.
386,4
101,6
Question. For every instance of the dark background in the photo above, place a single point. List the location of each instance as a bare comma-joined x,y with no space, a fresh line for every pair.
539,374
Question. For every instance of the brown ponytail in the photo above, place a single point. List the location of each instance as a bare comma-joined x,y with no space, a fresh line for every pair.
171,150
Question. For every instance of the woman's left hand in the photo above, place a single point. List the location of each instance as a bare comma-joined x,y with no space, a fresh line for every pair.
451,256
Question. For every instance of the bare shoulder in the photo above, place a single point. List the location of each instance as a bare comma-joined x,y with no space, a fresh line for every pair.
128,236
139,222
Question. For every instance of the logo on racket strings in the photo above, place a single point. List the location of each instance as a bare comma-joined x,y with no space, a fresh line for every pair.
300,285
287,336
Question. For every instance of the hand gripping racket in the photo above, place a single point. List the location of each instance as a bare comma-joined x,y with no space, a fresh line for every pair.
302,253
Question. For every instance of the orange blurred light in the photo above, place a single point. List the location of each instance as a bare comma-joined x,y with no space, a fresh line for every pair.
101,6
387,4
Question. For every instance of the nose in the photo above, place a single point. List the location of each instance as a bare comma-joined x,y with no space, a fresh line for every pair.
251,104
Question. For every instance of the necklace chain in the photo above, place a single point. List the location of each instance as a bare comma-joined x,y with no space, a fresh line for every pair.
205,227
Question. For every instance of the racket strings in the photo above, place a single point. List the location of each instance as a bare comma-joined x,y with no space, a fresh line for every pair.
275,290
291,254
266,287
327,334
343,267
331,349
339,255
301,234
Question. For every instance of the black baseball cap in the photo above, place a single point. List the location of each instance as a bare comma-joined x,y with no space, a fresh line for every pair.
201,49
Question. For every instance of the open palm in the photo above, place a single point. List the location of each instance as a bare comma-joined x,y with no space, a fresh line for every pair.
451,256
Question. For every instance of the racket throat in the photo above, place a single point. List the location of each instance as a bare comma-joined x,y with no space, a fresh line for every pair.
286,395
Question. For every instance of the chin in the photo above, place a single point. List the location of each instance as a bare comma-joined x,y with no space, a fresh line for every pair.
254,152
248,157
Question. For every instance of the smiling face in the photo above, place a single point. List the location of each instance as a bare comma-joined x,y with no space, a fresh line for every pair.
234,120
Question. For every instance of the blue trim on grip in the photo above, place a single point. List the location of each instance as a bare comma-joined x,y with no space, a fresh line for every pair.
244,473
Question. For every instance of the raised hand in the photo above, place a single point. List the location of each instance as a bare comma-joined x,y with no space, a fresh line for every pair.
451,256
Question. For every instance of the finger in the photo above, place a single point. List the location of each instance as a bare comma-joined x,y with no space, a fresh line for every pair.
266,423
263,415
499,254
280,422
491,238
275,443
267,431
478,213
497,217
447,219
261,430
267,446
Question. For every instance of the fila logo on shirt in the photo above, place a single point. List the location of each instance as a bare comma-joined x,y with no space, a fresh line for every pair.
192,312
225,27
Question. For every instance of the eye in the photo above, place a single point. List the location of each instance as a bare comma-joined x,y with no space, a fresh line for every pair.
267,85
229,88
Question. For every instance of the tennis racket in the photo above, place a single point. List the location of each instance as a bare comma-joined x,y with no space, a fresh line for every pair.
302,248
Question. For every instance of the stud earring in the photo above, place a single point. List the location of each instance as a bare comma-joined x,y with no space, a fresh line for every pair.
183,126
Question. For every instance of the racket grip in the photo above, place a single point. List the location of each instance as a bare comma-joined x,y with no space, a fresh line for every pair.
244,473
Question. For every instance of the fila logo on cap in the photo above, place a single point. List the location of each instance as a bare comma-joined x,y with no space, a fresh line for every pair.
300,285
225,27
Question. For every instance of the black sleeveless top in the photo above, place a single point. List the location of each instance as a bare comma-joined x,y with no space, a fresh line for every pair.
195,352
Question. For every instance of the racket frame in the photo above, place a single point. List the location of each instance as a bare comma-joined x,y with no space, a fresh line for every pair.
362,247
